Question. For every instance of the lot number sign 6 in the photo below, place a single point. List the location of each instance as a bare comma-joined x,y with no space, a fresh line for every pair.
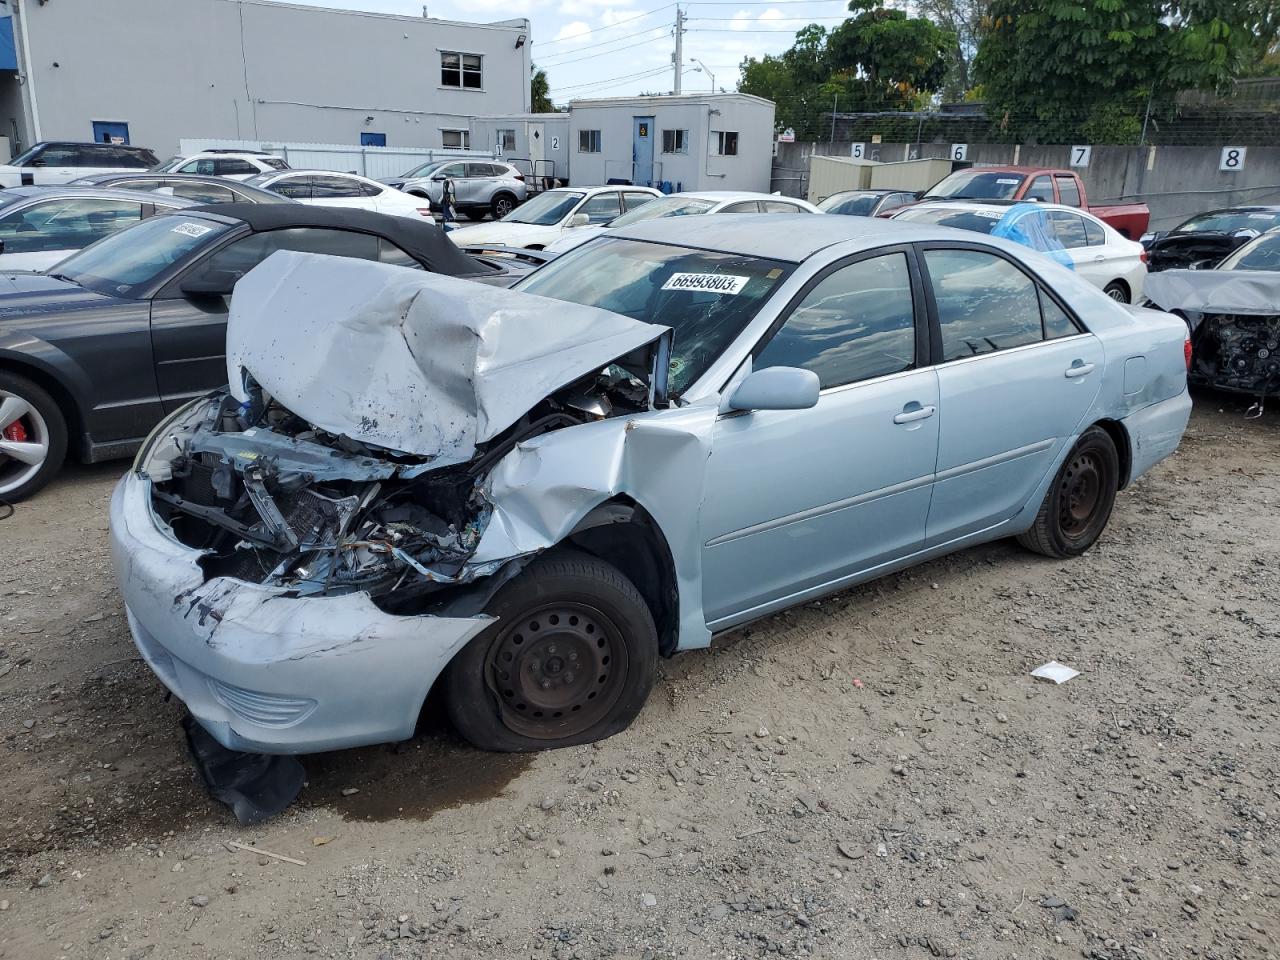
959,151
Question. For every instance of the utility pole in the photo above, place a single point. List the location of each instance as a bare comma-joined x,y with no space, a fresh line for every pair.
677,59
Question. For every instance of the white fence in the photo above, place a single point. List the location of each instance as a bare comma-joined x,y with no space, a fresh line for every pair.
375,162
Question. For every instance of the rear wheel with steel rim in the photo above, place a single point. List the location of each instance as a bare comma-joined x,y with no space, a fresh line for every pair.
1079,502
571,658
33,437
1117,291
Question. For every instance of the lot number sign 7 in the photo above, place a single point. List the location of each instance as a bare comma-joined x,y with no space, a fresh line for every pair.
1080,156
1232,159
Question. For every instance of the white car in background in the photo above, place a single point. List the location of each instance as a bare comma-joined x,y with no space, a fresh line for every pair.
1116,266
231,164
693,203
328,188
548,215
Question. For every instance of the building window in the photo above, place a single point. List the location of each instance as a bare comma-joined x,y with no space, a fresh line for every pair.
726,143
588,141
457,139
675,141
507,141
460,70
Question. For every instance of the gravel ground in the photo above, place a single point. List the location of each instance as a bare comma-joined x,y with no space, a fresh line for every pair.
872,775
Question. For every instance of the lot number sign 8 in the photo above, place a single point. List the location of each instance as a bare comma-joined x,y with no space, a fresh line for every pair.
1232,159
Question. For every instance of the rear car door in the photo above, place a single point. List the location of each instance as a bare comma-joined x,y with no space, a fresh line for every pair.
294,187
189,333
1016,376
1090,262
47,231
330,190
801,499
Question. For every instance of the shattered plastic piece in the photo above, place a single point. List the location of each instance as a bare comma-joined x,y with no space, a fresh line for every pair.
1055,671
256,786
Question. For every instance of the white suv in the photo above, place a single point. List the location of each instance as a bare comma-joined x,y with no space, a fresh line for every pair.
232,164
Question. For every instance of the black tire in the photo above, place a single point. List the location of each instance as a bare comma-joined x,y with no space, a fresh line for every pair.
571,659
1117,290
1079,502
502,204
475,214
43,424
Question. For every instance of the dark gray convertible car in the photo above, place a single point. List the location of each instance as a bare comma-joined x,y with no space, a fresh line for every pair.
94,353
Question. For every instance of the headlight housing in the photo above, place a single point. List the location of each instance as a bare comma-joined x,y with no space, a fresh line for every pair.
154,457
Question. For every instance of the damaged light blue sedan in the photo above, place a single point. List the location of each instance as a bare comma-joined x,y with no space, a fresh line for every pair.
523,498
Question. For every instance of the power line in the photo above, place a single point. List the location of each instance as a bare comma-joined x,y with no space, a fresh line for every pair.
770,20
610,26
633,76
605,53
601,43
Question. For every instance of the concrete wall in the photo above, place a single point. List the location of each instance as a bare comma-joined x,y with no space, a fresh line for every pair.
251,69
697,169
1175,182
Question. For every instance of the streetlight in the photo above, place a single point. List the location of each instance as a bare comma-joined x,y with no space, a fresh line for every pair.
702,68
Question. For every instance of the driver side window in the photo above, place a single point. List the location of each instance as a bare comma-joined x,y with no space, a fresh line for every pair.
241,256
857,323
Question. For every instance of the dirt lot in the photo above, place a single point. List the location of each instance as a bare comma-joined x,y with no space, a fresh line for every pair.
874,775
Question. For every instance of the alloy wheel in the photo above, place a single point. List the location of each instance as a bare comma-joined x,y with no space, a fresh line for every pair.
24,442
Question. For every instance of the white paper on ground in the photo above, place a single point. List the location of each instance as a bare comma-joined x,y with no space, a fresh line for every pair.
1055,671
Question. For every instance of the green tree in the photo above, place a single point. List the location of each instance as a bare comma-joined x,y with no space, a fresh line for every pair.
540,92
966,21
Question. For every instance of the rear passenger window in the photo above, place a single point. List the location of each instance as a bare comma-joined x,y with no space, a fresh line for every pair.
1041,189
1069,229
1069,191
1094,233
1056,321
857,323
985,303
746,206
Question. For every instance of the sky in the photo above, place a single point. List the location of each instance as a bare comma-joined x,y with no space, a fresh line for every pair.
610,48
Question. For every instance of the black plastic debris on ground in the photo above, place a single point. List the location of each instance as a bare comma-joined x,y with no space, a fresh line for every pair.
1059,908
256,786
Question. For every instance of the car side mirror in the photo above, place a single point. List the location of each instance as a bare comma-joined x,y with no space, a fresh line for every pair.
776,388
438,179
579,220
39,163
218,283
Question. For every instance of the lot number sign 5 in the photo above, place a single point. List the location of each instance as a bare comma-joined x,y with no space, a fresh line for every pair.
1232,159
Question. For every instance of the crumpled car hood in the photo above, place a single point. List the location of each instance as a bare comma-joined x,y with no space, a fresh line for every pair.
1216,291
409,361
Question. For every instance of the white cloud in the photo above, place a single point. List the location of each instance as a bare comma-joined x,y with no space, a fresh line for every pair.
773,13
573,30
587,8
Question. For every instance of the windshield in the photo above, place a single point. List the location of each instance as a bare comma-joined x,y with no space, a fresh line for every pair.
850,204
121,263
1231,221
704,296
275,163
24,158
980,221
173,163
1260,254
544,209
977,185
666,207
424,169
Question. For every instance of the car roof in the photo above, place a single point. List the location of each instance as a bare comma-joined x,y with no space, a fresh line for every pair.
422,240
53,192
109,178
877,191
87,143
780,236
1243,208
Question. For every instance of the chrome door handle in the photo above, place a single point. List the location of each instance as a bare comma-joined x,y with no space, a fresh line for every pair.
1078,369
911,416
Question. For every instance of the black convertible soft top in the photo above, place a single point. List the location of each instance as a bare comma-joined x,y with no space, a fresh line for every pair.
423,241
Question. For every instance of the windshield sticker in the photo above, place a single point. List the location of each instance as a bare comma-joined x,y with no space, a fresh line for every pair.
1007,182
706,282
1261,216
989,214
191,229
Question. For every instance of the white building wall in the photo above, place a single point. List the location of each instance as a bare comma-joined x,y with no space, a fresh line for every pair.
698,168
552,146
259,70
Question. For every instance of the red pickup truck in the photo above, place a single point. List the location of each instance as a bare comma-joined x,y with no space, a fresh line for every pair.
1038,183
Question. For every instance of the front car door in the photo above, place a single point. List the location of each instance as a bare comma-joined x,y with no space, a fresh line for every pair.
1016,375
799,500
189,333
601,207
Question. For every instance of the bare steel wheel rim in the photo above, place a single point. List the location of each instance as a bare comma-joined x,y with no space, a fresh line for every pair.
24,441
1080,493
558,669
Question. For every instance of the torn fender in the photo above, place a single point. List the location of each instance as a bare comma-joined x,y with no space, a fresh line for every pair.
1251,292
544,487
410,361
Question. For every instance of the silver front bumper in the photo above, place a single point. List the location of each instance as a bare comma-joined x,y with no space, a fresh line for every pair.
263,671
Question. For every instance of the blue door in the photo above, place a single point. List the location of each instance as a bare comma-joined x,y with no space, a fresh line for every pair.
373,139
642,152
106,131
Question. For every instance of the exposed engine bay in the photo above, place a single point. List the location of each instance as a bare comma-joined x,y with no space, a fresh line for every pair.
1193,251
1237,352
272,499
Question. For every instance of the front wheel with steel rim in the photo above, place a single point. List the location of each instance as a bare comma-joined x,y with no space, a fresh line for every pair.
1079,501
570,659
33,437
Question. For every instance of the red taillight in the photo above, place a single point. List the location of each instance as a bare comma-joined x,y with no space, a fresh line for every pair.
424,212
1143,256
520,177
1186,351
